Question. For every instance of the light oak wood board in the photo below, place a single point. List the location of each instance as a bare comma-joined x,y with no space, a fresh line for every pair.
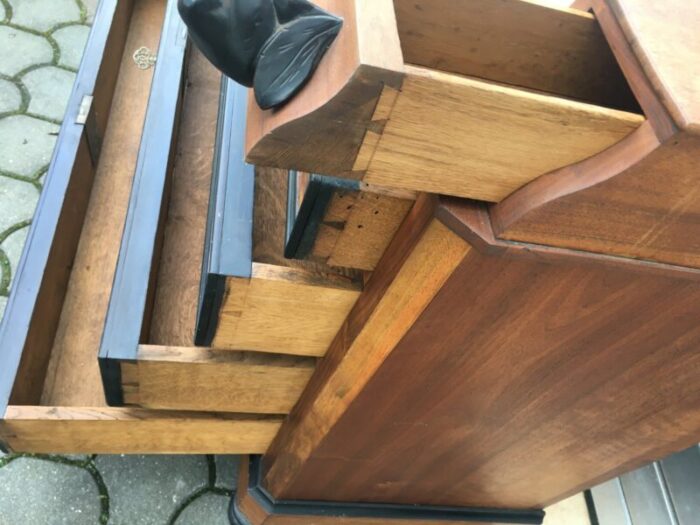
204,379
460,136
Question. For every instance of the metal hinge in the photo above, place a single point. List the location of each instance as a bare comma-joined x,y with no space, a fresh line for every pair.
84,109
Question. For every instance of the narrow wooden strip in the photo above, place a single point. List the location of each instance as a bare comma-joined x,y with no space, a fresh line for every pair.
459,136
204,379
366,339
54,430
73,377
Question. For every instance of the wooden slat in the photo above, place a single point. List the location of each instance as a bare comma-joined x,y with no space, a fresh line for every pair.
559,51
459,136
394,298
134,431
203,379
73,377
284,310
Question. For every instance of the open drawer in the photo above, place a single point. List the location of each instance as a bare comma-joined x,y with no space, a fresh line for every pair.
251,296
97,341
342,222
474,98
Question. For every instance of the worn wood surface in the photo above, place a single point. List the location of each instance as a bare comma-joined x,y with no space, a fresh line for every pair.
551,374
180,266
53,430
636,199
73,371
665,39
396,294
371,224
527,44
204,379
284,310
459,136
331,114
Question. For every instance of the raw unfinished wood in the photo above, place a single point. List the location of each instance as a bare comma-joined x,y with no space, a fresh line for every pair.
52,430
554,370
203,379
284,310
665,39
558,51
394,298
73,377
180,267
370,227
460,136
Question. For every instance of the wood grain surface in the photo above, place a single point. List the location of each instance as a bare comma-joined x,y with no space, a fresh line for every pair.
73,377
180,266
52,430
392,301
549,375
284,310
331,114
460,136
527,44
665,39
209,380
635,200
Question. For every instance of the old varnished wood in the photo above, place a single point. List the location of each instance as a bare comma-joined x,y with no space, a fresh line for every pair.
554,370
31,318
636,199
491,125
399,290
252,504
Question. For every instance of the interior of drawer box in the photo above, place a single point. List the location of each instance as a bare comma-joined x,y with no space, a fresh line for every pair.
58,402
520,43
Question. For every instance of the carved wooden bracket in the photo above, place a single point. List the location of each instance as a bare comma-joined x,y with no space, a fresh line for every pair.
273,46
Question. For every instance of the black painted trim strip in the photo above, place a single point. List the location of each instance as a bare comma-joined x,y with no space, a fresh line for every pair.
228,248
302,226
374,510
44,233
128,303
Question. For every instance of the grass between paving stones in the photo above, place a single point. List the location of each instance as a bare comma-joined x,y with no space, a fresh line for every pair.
103,492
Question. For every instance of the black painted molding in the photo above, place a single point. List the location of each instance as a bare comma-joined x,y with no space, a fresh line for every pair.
61,198
376,511
127,315
273,46
228,248
302,225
